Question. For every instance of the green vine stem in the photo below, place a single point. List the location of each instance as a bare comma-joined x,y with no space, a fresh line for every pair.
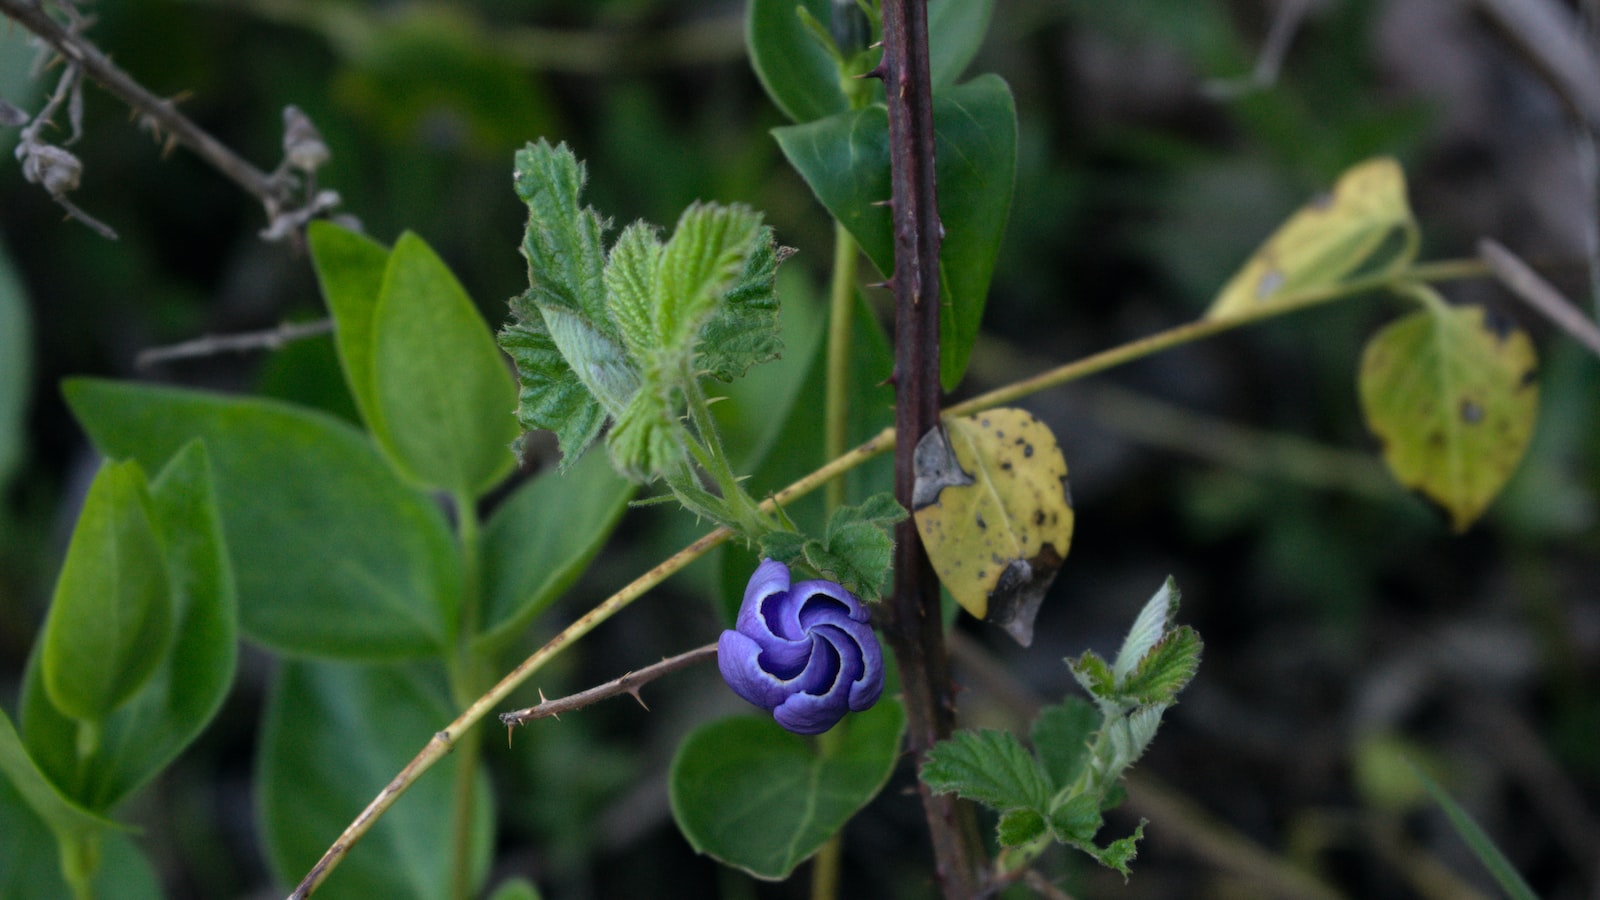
445,740
466,682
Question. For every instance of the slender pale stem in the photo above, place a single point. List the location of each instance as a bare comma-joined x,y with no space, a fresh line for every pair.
841,310
466,681
884,441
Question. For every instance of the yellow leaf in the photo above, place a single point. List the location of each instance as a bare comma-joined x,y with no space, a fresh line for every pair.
993,509
1363,227
1452,397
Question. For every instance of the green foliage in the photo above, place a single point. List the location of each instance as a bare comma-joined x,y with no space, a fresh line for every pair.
855,549
1058,791
350,269
1453,398
540,540
333,554
16,366
443,396
190,678
600,336
31,867
759,798
845,160
334,735
1482,846
110,621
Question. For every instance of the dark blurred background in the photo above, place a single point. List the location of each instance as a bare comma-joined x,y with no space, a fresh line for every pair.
1347,630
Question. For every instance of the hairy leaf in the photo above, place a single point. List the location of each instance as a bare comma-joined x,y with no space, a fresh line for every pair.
1151,626
743,330
1061,736
989,766
630,278
702,259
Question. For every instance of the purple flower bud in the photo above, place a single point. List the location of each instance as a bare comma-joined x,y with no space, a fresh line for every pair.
806,652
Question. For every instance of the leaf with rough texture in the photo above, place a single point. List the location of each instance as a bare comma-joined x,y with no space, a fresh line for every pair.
993,509
1151,625
110,619
764,800
332,554
333,736
743,331
989,766
190,679
562,316
1020,826
350,269
856,548
443,395
1364,226
541,539
702,259
630,278
845,160
1166,669
1451,395
1061,735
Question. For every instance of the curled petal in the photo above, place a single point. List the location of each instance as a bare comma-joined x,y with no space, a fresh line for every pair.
806,652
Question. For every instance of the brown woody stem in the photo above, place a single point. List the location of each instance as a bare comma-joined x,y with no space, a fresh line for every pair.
914,628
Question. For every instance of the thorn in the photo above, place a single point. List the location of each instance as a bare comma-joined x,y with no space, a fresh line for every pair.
879,71
887,284
635,692
888,203
509,729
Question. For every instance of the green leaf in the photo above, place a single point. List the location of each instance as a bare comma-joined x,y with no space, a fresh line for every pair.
1364,226
630,278
332,553
16,367
1093,674
1166,669
65,818
540,540
1452,397
1119,852
744,330
845,160
1077,820
955,31
30,864
704,257
111,618
800,76
1482,846
443,396
1019,826
570,364
989,766
190,679
1061,736
333,736
1150,627
760,799
350,269
857,547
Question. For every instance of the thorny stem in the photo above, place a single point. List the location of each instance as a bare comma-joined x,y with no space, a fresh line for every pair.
913,626
442,742
628,684
273,192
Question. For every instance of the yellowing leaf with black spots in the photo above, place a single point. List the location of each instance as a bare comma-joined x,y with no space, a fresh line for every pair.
992,506
1451,395
1363,227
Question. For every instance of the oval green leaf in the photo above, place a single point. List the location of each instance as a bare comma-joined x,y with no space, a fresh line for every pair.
992,507
1452,398
350,269
333,555
1364,226
443,393
110,620
845,161
799,74
190,680
758,798
16,366
541,539
333,736
30,864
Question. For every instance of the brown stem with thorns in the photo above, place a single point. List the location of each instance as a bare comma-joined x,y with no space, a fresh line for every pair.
914,628
627,684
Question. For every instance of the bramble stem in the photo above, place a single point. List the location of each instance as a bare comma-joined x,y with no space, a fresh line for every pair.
628,684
